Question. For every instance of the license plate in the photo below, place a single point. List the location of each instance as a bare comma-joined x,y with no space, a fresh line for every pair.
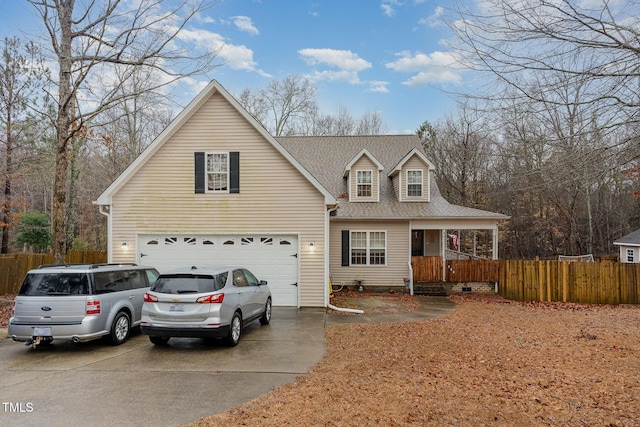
41,332
176,307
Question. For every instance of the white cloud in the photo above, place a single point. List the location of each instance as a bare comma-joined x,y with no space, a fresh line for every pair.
388,8
433,19
245,24
436,67
342,59
236,57
347,63
378,86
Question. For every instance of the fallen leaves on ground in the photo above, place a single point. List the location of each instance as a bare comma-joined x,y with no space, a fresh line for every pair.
490,362
6,304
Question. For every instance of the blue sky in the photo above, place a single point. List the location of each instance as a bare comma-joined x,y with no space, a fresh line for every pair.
365,55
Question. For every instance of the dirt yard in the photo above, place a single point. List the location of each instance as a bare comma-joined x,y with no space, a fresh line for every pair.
491,362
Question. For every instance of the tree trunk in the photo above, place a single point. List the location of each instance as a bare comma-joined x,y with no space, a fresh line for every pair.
59,216
6,208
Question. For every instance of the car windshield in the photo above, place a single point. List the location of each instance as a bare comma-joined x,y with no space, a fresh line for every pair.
53,284
189,283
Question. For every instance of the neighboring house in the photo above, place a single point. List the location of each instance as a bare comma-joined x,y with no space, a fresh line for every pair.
216,188
629,247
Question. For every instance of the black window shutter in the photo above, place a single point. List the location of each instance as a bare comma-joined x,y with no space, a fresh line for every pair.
346,255
234,172
199,172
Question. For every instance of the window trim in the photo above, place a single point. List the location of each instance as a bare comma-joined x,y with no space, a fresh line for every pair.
207,172
362,172
631,255
421,184
367,248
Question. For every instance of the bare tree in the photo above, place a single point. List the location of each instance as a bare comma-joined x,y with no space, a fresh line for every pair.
594,44
283,106
91,39
18,79
461,148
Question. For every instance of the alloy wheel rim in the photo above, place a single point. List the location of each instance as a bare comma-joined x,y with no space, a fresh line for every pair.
121,328
235,329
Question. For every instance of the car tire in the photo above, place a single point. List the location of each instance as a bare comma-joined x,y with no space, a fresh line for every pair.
235,330
120,328
266,315
159,340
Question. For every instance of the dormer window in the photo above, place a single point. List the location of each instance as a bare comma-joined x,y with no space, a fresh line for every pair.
414,183
364,183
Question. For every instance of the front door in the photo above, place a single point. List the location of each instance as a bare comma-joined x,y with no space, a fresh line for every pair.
417,243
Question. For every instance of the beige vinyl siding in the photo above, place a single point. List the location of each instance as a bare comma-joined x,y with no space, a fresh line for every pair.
397,254
364,164
415,163
274,196
396,179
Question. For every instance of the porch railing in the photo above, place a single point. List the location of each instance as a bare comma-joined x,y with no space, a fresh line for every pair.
429,269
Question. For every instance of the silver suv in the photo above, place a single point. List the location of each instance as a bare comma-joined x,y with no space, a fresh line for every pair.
80,302
208,302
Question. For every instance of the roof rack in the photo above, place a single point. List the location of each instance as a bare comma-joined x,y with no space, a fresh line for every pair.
62,265
133,264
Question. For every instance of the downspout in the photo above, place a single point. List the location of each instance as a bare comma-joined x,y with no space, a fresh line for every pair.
345,310
327,301
108,215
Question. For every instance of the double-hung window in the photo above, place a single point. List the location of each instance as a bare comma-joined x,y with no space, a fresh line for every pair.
364,182
414,183
218,172
368,247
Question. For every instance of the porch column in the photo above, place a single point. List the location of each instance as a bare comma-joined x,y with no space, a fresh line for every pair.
443,251
495,243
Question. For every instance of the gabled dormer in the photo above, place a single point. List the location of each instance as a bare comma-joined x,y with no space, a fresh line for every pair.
411,177
363,177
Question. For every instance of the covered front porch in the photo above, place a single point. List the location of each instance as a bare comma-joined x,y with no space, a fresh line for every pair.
433,244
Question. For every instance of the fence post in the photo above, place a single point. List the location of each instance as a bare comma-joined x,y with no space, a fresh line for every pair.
565,279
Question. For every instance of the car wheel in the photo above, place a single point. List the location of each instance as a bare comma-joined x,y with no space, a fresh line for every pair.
159,340
120,328
235,330
266,316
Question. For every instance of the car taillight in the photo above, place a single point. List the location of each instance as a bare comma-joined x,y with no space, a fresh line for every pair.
93,307
150,298
211,299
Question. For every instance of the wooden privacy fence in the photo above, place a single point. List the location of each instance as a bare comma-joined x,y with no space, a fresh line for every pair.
14,267
605,282
429,269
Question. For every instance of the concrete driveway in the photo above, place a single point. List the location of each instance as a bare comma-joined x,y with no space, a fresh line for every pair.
139,384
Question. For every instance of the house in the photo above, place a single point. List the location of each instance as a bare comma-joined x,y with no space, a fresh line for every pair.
629,247
216,188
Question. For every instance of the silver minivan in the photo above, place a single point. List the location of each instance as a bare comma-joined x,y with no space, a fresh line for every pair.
80,302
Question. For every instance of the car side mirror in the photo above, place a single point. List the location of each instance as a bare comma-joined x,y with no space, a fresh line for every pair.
263,283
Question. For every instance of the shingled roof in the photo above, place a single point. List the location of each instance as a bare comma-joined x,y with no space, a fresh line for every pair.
631,239
326,157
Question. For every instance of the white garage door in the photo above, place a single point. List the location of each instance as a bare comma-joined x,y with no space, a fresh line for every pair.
273,258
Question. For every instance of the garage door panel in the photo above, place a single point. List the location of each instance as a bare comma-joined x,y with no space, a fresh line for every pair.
270,257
